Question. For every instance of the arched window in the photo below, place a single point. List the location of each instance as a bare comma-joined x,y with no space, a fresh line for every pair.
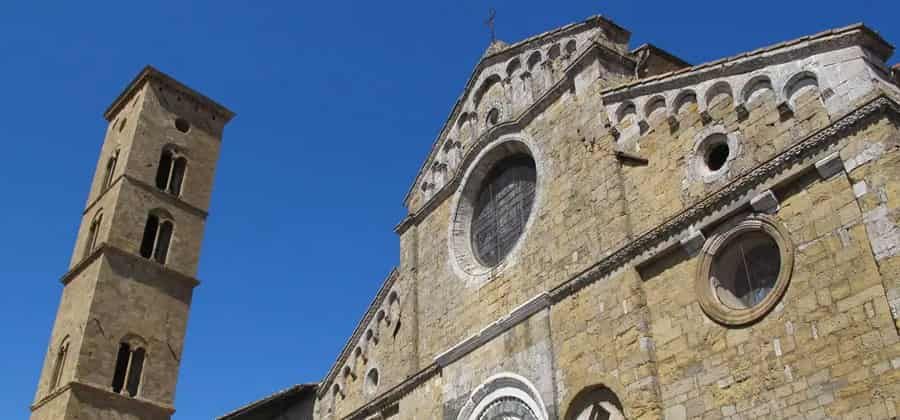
157,235
129,368
170,174
61,356
110,169
93,234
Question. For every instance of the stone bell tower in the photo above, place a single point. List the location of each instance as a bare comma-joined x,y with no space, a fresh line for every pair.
116,344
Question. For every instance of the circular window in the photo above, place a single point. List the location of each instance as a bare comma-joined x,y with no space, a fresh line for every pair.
744,271
713,154
182,125
493,210
502,207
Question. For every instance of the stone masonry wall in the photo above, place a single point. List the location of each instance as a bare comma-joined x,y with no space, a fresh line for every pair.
828,350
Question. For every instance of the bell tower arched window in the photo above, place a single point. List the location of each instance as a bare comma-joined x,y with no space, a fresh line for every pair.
110,169
170,174
60,365
129,368
93,234
157,236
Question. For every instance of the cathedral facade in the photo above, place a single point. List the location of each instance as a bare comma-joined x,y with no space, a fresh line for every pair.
598,232
601,232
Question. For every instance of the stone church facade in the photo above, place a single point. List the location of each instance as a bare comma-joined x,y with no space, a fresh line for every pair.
598,232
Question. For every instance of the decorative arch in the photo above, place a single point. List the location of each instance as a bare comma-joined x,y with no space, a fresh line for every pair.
533,60
554,52
393,306
625,109
798,82
683,98
719,88
571,47
514,65
515,393
488,83
655,103
756,84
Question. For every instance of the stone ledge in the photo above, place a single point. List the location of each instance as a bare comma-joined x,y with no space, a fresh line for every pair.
166,197
106,248
91,390
493,330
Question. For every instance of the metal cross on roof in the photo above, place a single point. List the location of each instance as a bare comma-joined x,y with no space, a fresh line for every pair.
490,24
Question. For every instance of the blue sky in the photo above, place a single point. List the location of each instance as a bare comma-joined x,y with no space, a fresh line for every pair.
338,103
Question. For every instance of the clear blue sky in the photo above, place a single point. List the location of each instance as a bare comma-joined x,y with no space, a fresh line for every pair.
338,103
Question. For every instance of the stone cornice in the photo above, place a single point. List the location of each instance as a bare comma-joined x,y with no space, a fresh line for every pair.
652,240
833,39
169,198
503,54
683,221
150,73
108,249
358,331
97,391
493,329
565,83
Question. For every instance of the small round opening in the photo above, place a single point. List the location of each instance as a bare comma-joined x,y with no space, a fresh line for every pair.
182,125
717,156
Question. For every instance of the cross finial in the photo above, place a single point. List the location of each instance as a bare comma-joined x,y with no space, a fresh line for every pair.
490,23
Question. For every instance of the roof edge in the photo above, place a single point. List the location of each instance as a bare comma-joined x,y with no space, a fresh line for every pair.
151,73
288,392
358,331
882,49
482,63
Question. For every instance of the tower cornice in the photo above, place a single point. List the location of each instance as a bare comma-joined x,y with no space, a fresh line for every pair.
107,249
168,198
151,73
99,392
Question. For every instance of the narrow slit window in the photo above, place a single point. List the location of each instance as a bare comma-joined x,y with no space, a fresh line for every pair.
121,367
177,176
135,370
164,170
150,231
162,242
